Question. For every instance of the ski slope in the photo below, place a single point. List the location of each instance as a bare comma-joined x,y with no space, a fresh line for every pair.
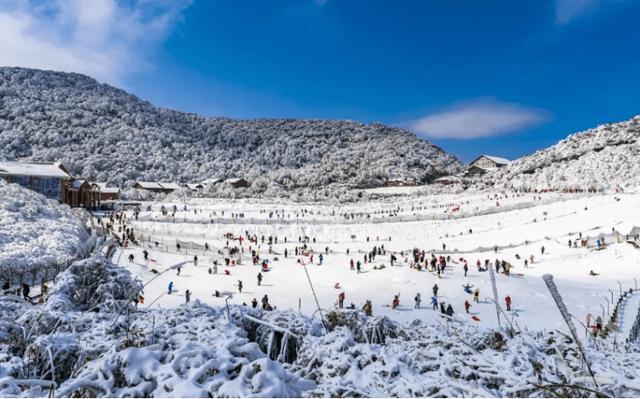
516,224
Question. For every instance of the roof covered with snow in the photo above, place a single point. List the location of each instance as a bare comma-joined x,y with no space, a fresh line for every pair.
34,169
171,186
498,160
108,190
149,185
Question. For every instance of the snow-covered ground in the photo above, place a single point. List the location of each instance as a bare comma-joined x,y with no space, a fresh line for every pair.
470,226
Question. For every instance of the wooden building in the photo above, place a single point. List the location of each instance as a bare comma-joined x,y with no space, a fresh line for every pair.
107,193
156,187
483,163
237,182
82,194
52,180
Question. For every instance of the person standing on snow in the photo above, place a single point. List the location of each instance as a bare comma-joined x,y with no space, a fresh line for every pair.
465,268
467,306
435,290
449,311
240,286
341,297
434,303
170,287
254,303
195,260
396,301
418,300
476,295
507,301
187,296
542,250
259,279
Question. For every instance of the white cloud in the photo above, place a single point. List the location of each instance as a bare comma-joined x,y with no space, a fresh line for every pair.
478,118
567,10
106,39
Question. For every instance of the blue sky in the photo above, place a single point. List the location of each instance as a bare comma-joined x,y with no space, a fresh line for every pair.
498,77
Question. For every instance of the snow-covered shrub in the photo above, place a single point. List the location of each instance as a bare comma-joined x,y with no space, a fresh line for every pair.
36,231
93,284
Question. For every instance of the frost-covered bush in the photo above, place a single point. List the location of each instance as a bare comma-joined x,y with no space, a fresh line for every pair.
109,135
93,284
36,231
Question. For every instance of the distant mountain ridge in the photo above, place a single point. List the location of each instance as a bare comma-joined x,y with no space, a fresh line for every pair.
606,157
107,134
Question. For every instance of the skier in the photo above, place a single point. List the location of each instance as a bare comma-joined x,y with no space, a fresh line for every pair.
507,301
320,257
170,287
434,303
195,260
187,296
145,253
476,295
418,300
465,268
179,267
541,250
358,266
467,306
240,286
435,290
131,257
259,279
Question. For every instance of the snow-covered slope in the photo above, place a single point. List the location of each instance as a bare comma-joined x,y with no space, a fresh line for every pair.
607,157
36,231
109,135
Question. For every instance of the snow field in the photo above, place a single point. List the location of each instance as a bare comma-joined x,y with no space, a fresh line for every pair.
287,287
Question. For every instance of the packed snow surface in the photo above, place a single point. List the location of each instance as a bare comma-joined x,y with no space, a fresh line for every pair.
470,227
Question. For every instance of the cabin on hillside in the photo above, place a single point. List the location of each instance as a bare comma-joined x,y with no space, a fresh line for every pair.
483,163
82,194
52,180
447,180
49,179
107,193
237,182
156,187
397,183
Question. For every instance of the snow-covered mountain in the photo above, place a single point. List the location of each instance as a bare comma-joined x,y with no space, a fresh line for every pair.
106,134
606,157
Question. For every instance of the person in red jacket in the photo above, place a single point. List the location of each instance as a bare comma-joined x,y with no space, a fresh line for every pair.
467,306
507,301
341,297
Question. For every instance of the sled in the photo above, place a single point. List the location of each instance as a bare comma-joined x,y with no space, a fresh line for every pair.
153,260
475,318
